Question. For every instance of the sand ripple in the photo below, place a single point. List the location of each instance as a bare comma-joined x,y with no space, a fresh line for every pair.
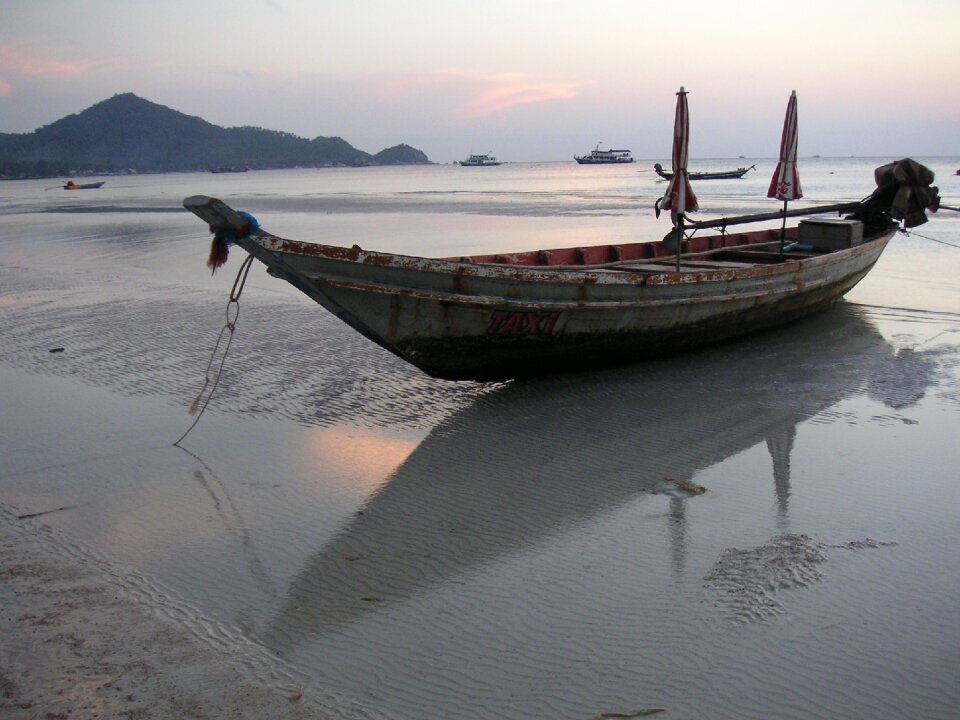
81,579
287,359
747,582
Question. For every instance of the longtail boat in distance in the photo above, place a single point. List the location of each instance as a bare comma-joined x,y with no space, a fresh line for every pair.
719,175
71,185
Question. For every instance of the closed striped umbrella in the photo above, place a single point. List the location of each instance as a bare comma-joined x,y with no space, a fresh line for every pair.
679,197
785,183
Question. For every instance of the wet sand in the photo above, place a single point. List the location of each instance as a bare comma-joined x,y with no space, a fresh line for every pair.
77,645
762,529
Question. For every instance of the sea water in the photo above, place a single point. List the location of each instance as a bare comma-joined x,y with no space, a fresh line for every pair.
760,529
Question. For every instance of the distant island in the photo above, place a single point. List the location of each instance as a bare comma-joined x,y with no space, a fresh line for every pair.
127,134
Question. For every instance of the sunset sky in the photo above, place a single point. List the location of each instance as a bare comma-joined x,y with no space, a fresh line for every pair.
524,79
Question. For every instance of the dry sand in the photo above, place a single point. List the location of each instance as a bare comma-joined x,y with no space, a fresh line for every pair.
76,644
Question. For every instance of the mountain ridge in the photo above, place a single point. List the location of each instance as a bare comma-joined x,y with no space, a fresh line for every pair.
127,133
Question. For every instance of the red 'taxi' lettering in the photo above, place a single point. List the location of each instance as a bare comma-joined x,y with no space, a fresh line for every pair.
522,322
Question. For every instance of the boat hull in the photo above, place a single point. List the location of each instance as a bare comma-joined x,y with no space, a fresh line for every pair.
486,358
465,321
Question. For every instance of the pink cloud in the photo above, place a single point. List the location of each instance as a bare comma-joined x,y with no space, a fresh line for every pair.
5,88
470,95
21,63
502,92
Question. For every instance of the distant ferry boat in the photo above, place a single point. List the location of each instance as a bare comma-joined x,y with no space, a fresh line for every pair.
604,157
478,160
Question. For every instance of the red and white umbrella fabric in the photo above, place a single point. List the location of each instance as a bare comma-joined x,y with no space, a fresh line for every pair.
785,184
679,197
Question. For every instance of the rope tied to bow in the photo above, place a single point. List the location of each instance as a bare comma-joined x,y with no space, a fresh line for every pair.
201,401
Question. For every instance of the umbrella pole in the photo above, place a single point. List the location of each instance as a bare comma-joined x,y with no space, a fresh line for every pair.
783,228
679,238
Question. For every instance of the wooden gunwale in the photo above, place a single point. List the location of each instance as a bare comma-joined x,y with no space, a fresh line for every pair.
698,261
529,264
637,272
637,276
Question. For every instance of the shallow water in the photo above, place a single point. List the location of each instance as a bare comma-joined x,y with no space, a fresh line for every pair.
530,550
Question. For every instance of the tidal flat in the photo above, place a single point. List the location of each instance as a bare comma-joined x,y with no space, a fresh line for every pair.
761,529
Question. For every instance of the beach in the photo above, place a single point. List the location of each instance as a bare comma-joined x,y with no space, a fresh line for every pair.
78,646
760,529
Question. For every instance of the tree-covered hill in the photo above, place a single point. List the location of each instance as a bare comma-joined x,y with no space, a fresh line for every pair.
127,133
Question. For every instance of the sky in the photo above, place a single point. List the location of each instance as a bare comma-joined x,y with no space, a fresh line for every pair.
523,79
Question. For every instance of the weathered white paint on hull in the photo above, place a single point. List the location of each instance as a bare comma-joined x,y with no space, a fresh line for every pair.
467,321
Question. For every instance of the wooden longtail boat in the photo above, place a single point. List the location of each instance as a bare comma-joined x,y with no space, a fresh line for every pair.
71,185
497,317
720,175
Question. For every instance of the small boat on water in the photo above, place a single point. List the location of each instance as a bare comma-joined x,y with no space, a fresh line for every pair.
604,157
480,160
720,175
71,185
505,316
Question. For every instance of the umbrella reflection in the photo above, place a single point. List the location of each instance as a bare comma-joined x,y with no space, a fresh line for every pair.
780,444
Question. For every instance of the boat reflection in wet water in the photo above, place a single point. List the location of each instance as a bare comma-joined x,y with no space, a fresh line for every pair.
533,459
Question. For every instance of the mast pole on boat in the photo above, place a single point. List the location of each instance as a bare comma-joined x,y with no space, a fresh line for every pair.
679,230
743,219
783,228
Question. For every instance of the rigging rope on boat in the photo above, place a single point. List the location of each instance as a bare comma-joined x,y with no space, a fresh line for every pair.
200,403
927,237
